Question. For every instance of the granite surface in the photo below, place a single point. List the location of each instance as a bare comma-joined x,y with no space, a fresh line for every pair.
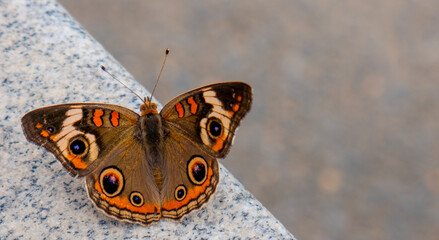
46,58
348,90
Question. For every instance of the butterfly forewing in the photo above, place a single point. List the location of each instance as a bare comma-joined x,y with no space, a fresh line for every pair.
210,115
80,135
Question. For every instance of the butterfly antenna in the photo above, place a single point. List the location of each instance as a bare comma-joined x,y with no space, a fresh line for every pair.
103,68
160,73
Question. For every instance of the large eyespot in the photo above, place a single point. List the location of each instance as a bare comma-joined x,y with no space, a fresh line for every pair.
111,181
136,199
180,192
197,170
78,146
214,128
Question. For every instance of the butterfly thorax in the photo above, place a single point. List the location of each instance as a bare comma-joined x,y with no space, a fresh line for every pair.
150,125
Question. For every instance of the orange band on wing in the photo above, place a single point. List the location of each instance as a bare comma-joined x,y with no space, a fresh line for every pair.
180,110
97,117
53,137
218,145
76,161
194,105
235,107
192,193
39,125
44,133
124,203
115,119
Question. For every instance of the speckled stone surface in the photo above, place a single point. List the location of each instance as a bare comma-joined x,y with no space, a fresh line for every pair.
46,58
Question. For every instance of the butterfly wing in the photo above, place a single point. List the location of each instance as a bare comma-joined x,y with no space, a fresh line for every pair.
191,176
201,126
124,187
210,115
80,135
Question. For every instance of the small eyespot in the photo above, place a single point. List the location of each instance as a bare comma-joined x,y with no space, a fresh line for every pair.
50,129
111,181
214,127
136,199
197,170
180,192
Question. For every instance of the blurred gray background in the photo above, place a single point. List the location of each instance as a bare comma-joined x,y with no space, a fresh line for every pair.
342,141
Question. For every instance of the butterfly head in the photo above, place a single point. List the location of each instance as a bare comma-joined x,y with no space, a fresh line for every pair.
148,107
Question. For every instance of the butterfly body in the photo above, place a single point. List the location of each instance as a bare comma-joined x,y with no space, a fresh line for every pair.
143,168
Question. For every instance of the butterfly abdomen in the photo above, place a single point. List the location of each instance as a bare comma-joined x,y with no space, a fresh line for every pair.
158,176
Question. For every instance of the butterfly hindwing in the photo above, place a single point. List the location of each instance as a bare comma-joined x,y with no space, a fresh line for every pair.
124,186
191,176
